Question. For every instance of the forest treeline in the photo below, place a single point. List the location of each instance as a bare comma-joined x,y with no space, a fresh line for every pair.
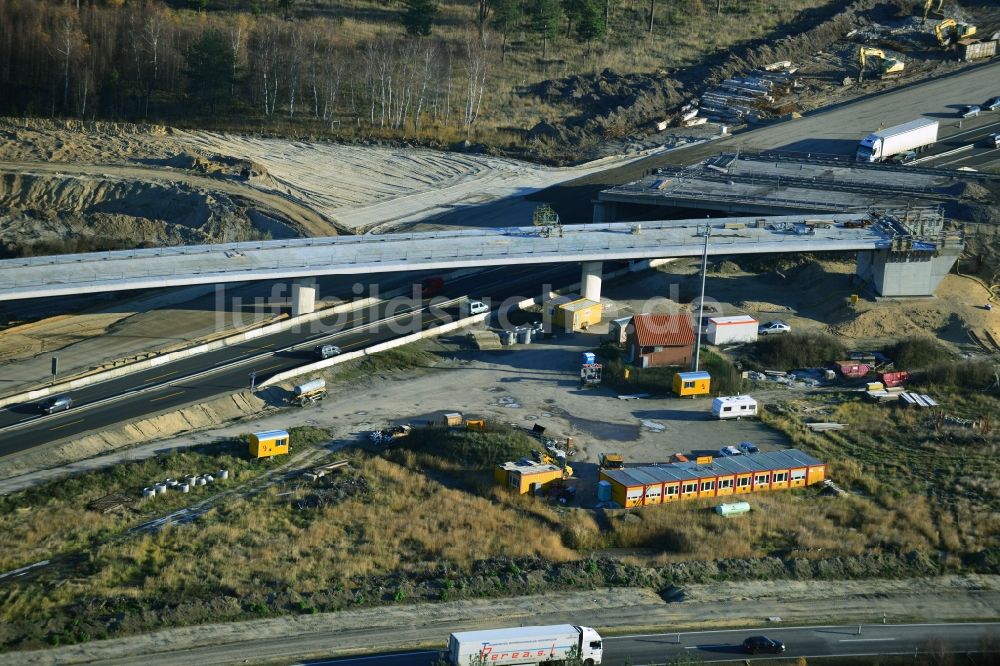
150,60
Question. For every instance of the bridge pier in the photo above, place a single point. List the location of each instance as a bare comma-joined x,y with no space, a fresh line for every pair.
605,211
906,272
590,280
303,296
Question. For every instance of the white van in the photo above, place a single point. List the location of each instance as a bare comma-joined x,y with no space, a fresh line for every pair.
471,308
734,407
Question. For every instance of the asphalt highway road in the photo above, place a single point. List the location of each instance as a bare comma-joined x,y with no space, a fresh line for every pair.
207,375
726,646
833,130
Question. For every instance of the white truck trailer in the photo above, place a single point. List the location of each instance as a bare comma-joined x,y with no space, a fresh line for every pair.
525,645
915,135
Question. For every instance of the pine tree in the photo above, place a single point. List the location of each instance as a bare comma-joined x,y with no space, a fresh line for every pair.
209,71
545,16
419,16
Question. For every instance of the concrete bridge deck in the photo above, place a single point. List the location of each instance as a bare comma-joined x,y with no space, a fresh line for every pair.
307,258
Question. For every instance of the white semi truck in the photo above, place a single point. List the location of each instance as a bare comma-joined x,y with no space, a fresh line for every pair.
525,645
912,136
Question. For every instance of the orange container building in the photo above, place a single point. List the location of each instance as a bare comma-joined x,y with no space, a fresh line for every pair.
732,475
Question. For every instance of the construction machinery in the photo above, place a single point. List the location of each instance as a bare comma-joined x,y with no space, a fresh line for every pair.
950,31
612,461
927,9
888,67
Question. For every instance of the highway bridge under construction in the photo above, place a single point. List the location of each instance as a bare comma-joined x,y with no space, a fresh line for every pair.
784,184
899,254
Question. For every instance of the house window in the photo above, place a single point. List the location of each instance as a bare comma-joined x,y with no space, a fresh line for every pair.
743,481
670,490
780,477
690,487
761,479
725,483
688,384
707,485
727,409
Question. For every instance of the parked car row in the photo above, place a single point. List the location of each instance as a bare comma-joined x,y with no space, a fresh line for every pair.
973,110
738,450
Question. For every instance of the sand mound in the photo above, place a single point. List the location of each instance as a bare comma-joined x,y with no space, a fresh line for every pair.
878,324
762,306
727,267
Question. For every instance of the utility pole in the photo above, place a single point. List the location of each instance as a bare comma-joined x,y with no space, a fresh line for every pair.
701,301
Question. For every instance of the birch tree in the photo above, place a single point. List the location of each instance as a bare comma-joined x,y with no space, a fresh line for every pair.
68,44
476,69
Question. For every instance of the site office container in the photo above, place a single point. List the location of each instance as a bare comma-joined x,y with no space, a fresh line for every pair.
725,330
268,443
662,484
692,383
522,479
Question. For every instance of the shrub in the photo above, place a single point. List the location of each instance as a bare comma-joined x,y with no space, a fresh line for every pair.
975,375
797,350
917,353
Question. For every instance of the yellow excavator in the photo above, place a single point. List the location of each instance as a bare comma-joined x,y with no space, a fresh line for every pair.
889,67
927,9
950,31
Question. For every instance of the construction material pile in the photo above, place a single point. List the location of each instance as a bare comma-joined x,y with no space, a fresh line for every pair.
756,96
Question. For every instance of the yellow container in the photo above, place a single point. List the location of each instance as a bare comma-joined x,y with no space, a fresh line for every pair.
692,383
268,443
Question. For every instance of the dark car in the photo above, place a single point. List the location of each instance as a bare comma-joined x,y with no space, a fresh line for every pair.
756,644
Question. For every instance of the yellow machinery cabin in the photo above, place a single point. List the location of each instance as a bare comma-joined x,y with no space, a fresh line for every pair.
268,443
525,477
732,475
578,315
692,383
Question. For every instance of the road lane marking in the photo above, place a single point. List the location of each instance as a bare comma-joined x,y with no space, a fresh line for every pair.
345,660
164,397
864,640
66,425
270,367
165,374
708,647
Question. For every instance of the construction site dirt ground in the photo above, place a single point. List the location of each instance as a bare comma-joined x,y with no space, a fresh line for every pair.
539,383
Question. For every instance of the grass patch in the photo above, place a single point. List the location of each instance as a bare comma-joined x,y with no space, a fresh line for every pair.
470,449
406,357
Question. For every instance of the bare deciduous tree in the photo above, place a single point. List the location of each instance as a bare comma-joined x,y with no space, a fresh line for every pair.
479,55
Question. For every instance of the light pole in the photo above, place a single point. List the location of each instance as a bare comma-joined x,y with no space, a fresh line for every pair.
701,300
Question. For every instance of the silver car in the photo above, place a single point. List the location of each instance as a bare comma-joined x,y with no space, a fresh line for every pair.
58,403
970,111
773,327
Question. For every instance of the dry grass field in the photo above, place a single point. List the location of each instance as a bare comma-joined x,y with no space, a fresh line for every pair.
423,520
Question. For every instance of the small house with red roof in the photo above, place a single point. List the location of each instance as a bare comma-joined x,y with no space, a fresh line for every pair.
657,340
